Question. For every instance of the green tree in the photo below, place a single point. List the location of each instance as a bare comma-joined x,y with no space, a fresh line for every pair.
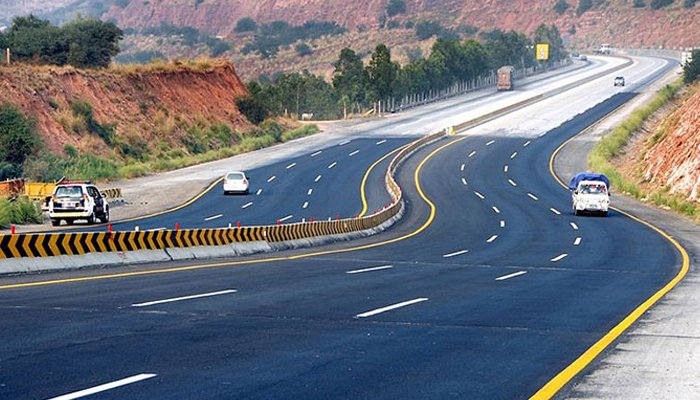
427,29
639,4
395,7
691,70
303,50
382,73
253,109
689,3
246,24
657,4
350,78
583,6
18,140
509,48
96,42
552,37
561,6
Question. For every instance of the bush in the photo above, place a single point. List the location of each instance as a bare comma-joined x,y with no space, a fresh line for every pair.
583,6
427,29
639,4
253,109
246,24
82,108
19,211
18,140
691,70
395,7
303,50
689,3
561,7
302,131
272,128
658,4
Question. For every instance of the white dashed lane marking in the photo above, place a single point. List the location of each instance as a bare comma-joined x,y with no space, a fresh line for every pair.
306,204
479,195
532,196
104,387
491,239
381,142
513,275
248,204
258,192
505,168
512,156
371,269
354,153
503,224
318,178
526,143
461,168
490,143
577,241
464,181
554,210
308,193
286,218
472,154
332,165
512,183
316,153
292,165
391,307
573,225
343,143
213,217
496,210
456,253
559,257
270,179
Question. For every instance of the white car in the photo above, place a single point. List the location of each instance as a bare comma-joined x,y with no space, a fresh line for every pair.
77,200
236,182
619,81
591,196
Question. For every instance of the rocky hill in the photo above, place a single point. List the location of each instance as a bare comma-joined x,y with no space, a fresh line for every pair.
615,21
142,106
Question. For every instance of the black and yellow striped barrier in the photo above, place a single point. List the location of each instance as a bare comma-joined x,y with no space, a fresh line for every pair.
34,245
113,193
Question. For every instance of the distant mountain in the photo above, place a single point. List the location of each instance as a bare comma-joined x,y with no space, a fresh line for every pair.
583,22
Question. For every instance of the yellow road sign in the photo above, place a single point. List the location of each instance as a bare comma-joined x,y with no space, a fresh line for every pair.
542,52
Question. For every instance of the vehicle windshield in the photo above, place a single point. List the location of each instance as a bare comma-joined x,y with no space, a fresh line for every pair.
593,189
234,176
69,191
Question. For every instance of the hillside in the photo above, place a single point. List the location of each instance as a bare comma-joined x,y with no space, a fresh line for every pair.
614,21
144,108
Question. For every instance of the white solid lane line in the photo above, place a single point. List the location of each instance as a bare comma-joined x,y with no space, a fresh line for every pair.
456,253
513,275
461,168
381,142
286,218
343,143
490,143
512,156
194,296
105,387
332,165
505,168
248,204
270,179
317,153
308,193
379,268
464,181
503,224
559,257
479,195
496,210
213,217
292,165
391,307
573,225
353,153
532,196
472,154
554,210
512,183
526,143
318,178
258,192
491,239
577,241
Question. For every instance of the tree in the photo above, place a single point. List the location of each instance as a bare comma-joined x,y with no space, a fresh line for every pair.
509,48
303,50
583,6
18,140
639,4
246,24
350,78
561,7
689,3
551,36
657,4
395,7
252,108
691,70
382,72
427,29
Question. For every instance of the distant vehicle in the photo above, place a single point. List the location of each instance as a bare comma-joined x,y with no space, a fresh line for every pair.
619,81
236,182
605,48
686,58
77,200
583,57
505,78
590,193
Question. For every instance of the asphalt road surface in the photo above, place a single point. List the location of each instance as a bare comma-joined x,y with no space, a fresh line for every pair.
486,289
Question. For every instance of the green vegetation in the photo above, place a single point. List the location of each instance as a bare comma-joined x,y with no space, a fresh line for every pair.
395,7
18,141
427,29
561,6
246,24
658,4
140,57
81,42
612,144
689,3
19,211
583,6
639,4
303,50
551,36
270,37
691,70
82,109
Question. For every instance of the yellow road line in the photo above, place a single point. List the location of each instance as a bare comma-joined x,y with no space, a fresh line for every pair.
567,374
363,184
416,179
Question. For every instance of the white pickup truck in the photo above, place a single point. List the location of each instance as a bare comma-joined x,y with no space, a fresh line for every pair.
590,193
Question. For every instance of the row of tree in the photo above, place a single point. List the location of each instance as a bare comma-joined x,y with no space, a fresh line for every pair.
84,42
355,86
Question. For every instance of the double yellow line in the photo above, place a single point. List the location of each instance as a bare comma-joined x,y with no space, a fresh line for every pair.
424,226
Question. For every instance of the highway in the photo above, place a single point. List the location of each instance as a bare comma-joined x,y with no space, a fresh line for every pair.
487,288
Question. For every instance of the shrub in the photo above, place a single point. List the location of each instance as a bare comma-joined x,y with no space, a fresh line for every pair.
25,211
272,128
246,24
689,3
691,70
639,4
83,109
657,4
303,50
428,29
253,109
561,7
302,131
395,7
583,6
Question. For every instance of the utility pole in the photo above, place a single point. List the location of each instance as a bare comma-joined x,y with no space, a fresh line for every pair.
7,55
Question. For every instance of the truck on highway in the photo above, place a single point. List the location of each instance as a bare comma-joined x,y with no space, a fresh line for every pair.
505,78
590,192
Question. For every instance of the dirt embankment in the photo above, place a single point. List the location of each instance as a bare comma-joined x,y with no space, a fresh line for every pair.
674,161
614,21
155,104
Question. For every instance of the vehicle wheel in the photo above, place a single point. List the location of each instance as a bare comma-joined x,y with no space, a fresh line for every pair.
91,219
55,222
105,216
225,193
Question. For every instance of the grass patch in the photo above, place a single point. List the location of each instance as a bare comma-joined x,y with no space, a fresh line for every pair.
19,211
612,144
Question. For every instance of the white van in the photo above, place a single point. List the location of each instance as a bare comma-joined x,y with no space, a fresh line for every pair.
590,193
